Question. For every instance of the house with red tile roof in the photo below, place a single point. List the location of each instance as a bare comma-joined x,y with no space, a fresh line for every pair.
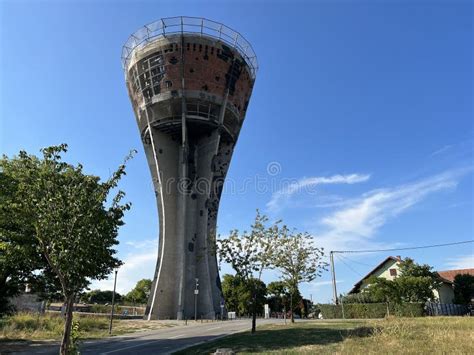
389,269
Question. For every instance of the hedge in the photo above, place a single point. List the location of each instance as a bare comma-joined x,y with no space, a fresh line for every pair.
371,310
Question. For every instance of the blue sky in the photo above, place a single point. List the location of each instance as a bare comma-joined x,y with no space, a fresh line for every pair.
362,108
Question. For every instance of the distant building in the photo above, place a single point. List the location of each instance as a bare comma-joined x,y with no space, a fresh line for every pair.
446,291
389,269
26,301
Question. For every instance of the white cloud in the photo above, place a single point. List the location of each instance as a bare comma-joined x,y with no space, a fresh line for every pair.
138,264
354,225
142,244
463,262
318,284
281,197
442,150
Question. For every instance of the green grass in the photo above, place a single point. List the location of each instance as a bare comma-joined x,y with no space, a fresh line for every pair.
28,326
391,336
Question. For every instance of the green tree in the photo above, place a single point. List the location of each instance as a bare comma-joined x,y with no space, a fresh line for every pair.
72,216
100,297
463,288
19,255
383,290
299,260
238,293
139,294
250,253
280,298
277,294
230,288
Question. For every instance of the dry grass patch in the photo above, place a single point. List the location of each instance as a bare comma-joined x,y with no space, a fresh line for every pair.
453,335
27,326
441,335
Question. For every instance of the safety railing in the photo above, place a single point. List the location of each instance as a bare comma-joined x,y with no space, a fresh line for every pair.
191,25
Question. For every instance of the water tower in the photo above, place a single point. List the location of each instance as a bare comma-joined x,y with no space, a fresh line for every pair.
190,81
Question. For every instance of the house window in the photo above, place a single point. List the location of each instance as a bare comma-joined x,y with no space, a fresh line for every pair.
393,272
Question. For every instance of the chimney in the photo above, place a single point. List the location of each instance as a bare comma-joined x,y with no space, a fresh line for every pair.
399,257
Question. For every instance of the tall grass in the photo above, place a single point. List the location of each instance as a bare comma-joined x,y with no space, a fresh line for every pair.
439,335
48,326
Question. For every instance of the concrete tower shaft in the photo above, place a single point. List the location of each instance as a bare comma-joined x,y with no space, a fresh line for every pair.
189,81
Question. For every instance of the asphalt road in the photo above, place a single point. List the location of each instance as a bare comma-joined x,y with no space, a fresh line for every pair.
161,341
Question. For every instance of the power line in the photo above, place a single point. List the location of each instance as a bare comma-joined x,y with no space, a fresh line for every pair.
340,257
407,248
358,262
332,252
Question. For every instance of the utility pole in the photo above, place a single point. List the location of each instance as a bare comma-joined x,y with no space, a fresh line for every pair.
113,303
333,275
196,292
222,310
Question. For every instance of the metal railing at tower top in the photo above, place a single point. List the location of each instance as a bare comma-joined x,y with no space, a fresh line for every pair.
189,25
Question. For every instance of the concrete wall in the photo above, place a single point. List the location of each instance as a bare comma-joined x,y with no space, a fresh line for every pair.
28,302
445,294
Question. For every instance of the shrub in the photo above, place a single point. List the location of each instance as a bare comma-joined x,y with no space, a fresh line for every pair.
371,310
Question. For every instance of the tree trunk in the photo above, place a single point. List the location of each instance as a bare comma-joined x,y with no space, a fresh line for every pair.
66,341
291,308
254,313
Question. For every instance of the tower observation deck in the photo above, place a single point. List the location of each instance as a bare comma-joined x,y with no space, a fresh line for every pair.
189,80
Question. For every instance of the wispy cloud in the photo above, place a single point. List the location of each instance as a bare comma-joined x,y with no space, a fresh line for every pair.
281,197
138,264
318,284
456,149
141,244
441,150
355,225
462,262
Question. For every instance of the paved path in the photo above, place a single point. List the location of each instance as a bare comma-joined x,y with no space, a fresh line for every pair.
161,341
